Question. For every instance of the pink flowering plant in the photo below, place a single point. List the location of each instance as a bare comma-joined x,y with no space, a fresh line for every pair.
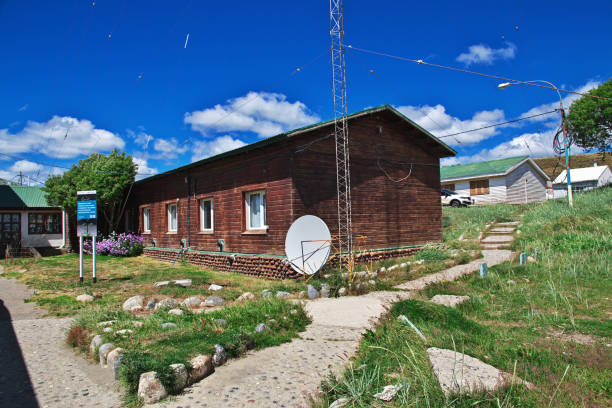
124,244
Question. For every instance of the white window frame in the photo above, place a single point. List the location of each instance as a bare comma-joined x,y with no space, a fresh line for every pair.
146,219
212,215
262,210
170,217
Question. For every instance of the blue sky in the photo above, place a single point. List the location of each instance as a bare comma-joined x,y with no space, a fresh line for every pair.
78,78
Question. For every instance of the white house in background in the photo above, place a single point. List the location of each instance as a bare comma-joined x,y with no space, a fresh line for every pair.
515,180
28,221
583,179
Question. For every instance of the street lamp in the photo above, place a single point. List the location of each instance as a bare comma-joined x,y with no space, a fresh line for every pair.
566,145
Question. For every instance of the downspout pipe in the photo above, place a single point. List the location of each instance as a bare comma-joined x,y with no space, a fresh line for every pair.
187,181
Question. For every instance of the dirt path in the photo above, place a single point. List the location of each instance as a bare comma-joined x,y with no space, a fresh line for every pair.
37,368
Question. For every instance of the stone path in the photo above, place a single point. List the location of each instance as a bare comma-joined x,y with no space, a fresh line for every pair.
38,369
284,376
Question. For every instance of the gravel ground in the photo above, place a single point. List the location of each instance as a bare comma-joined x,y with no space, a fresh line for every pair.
38,368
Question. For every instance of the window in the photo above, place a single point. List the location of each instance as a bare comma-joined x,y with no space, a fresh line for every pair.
479,187
172,218
256,210
44,223
448,187
10,227
206,215
146,220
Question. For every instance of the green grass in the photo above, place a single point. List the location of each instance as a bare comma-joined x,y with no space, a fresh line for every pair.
521,317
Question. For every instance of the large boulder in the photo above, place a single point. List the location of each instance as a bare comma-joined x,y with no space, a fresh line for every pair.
95,343
183,282
213,301
214,287
220,356
312,292
113,357
180,376
282,294
201,366
176,312
150,389
104,350
167,302
245,296
325,290
192,301
84,298
134,302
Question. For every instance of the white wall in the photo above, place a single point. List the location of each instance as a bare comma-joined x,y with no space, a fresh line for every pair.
519,192
497,191
605,178
38,240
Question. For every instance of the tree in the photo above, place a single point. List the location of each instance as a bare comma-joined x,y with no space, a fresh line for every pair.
111,176
589,120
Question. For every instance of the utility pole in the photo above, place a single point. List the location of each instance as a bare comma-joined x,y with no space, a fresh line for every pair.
20,178
570,196
343,176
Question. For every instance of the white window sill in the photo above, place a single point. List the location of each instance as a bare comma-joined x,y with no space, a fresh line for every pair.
206,232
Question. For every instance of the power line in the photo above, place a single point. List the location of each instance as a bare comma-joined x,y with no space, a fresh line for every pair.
514,81
500,123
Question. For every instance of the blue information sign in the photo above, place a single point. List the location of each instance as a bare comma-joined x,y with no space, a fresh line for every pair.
87,210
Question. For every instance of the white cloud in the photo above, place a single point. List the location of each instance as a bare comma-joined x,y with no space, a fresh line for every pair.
25,166
202,148
61,137
265,114
143,168
483,54
439,123
169,148
24,107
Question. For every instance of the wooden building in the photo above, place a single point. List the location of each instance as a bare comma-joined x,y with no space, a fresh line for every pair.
514,180
233,210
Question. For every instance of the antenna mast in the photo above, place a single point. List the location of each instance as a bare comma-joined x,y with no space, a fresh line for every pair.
343,176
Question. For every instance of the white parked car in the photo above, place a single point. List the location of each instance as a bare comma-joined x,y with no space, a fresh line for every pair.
453,199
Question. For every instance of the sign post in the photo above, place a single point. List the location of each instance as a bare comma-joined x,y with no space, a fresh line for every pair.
87,225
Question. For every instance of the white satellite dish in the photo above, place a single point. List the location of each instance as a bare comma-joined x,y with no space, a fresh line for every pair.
308,244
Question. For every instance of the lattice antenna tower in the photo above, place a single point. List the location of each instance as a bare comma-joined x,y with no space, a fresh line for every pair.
343,176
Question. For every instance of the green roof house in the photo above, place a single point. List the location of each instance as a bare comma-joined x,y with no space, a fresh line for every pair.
28,221
514,180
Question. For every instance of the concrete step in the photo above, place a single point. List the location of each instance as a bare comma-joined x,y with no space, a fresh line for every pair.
506,224
497,239
501,230
493,246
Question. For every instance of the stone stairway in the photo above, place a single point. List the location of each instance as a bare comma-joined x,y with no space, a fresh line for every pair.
500,235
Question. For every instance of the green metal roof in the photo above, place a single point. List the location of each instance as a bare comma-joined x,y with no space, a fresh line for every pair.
22,197
482,168
284,136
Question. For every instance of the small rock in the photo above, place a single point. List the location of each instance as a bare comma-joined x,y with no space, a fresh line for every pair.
282,294
261,328
382,269
84,298
177,312
293,312
326,276
393,267
192,301
325,290
22,270
213,301
388,393
215,287
403,265
124,332
137,323
95,343
183,282
107,329
266,293
150,389
220,356
531,259
339,403
133,302
518,232
372,282
150,304
106,323
111,358
180,376
449,300
160,284
221,322
312,292
245,296
420,262
342,291
167,302
169,325
301,294
511,282
201,366
103,352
